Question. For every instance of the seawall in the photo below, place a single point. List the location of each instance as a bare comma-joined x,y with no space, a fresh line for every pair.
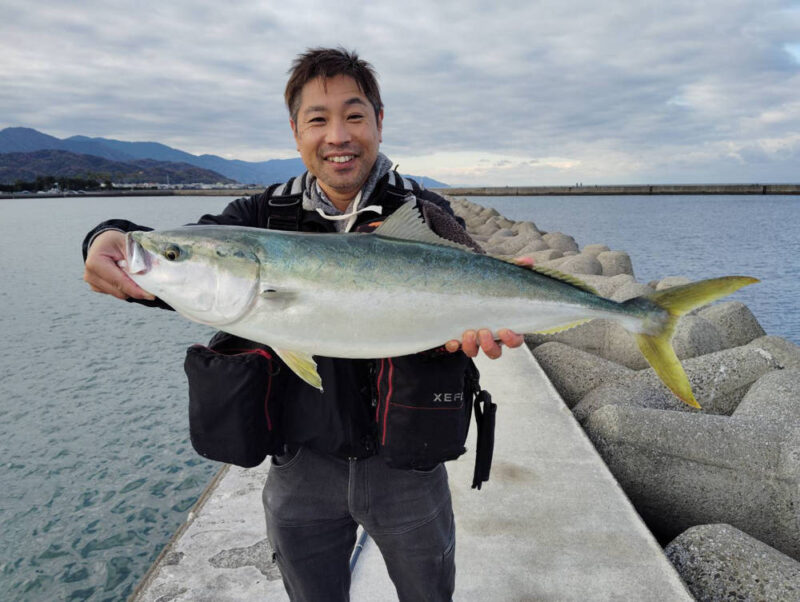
722,482
632,189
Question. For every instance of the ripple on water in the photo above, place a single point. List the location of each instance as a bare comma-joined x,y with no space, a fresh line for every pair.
74,574
184,504
107,543
133,485
118,569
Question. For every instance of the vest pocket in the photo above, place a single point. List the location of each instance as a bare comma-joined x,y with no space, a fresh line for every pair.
423,410
234,412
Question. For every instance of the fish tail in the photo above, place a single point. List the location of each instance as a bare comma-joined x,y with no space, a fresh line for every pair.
676,301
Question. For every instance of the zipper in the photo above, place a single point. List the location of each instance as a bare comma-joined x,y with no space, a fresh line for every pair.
373,386
266,399
378,394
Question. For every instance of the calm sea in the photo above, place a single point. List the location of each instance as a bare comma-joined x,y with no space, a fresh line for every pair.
694,236
97,470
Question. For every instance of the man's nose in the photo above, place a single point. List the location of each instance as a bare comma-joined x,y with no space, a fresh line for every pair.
338,132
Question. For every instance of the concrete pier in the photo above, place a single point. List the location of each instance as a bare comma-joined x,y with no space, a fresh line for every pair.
551,523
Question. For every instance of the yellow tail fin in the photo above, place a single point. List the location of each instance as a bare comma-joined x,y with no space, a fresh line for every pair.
657,349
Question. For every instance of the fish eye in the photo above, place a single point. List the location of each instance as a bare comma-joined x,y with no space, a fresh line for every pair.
172,252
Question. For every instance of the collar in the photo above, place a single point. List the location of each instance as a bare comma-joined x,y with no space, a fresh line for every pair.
315,199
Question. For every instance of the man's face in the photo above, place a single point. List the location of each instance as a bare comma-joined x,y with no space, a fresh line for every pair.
337,135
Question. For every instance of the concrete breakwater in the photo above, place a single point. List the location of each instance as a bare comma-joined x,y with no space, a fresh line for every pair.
722,483
623,189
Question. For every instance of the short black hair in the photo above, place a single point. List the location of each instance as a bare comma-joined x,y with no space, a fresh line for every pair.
327,63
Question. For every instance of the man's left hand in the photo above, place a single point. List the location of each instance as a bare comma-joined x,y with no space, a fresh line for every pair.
472,341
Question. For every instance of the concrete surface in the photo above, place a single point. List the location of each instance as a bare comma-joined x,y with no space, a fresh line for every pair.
551,523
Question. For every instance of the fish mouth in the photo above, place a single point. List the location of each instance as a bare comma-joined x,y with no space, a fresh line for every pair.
138,260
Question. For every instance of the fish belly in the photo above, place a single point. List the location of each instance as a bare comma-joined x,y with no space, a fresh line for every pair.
384,324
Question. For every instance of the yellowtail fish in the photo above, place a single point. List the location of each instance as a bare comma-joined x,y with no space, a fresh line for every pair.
399,290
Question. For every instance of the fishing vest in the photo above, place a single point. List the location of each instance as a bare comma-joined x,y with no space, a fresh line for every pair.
282,204
422,402
413,410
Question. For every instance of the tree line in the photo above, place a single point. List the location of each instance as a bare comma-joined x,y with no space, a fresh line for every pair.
62,183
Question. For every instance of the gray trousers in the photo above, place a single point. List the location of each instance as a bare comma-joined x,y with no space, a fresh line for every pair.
314,504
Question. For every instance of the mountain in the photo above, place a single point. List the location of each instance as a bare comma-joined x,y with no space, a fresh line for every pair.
19,139
27,166
25,140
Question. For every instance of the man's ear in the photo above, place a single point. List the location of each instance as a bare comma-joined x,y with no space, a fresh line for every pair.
293,125
380,125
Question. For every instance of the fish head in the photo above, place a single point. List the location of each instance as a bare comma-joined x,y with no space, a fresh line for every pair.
200,273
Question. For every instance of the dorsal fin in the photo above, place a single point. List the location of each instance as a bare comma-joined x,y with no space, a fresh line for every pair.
553,273
406,223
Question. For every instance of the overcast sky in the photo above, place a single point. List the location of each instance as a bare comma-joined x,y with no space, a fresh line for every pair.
476,92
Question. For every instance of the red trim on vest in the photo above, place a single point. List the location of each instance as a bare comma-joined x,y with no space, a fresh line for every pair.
388,397
400,405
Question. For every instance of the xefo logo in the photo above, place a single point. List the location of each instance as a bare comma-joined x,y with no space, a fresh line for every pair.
448,397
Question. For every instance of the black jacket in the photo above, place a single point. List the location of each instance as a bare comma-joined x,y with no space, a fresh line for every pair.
342,420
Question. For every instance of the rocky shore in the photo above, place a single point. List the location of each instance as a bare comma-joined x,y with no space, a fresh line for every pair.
719,487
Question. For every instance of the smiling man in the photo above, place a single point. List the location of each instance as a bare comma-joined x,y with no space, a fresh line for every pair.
339,469
337,133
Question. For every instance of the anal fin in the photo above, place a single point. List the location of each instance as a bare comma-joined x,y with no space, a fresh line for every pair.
563,327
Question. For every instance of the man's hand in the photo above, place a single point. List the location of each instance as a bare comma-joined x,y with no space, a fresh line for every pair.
472,341
102,272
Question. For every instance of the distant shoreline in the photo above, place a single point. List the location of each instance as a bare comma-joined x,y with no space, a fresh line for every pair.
632,189
580,190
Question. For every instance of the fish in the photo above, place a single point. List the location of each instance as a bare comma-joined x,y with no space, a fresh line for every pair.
399,290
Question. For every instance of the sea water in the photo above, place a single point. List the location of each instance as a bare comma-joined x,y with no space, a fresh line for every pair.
96,469
693,236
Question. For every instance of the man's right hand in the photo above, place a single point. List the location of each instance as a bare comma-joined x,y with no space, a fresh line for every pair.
102,272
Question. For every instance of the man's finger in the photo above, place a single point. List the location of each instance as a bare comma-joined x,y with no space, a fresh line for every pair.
469,343
104,276
112,292
472,341
510,338
488,344
452,345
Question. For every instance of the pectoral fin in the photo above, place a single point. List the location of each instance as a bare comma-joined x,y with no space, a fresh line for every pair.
303,365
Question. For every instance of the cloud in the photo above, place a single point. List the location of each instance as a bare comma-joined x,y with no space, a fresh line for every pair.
623,92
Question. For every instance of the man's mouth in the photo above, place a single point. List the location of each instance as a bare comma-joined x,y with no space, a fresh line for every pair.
340,158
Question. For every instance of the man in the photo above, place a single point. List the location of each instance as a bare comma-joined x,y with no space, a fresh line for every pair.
332,476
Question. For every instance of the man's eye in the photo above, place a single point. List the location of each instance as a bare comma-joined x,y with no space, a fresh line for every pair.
316,120
355,117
